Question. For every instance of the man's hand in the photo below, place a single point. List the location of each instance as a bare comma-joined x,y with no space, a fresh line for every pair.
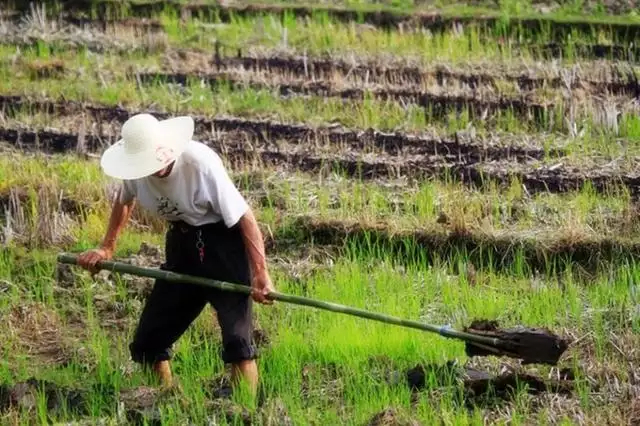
261,286
120,213
90,258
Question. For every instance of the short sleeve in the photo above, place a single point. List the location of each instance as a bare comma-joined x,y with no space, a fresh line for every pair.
222,194
127,193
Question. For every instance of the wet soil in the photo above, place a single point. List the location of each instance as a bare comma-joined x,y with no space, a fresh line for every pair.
480,387
51,142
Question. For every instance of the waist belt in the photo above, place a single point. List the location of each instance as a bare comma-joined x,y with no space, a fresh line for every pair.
185,227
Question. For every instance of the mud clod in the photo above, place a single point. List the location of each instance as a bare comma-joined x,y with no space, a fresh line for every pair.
64,275
220,388
275,413
148,256
418,375
478,384
139,405
532,345
505,384
390,417
149,250
25,395
5,391
231,412
261,338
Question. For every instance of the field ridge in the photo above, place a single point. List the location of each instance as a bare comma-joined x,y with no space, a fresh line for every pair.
457,145
553,179
486,251
559,26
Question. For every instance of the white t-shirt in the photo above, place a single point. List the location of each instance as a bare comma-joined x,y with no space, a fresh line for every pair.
197,191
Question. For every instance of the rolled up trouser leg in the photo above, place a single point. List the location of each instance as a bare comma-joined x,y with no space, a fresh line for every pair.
168,312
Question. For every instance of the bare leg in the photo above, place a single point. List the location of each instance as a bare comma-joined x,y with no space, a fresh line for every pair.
247,370
163,370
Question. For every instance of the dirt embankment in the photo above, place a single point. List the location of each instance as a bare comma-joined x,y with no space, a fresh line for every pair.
623,82
467,171
155,41
437,106
556,29
497,253
458,147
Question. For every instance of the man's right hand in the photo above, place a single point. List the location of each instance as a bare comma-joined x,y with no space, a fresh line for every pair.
90,258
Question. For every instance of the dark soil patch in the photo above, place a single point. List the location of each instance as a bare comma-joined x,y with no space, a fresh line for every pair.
232,413
390,417
51,142
220,387
25,395
148,256
261,338
65,275
141,405
5,397
479,386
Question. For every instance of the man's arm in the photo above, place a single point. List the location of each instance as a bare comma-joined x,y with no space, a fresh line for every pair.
252,236
253,241
225,199
120,213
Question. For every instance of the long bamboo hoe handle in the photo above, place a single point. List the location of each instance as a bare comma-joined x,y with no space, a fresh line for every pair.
298,300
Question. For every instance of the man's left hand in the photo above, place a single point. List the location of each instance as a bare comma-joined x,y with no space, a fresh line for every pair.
261,286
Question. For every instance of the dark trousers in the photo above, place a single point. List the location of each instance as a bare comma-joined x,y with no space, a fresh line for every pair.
213,251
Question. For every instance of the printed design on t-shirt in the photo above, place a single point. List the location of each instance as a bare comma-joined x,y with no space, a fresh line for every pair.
166,207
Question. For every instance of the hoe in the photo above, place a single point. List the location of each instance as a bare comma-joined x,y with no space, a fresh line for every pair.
481,338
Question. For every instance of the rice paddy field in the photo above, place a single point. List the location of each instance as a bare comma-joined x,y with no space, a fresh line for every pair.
438,162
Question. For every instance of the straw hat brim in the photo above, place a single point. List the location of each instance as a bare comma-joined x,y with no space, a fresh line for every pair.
175,133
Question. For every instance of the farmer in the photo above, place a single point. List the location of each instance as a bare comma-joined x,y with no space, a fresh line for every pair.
212,232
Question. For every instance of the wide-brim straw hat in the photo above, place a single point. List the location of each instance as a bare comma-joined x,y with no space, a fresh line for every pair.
147,145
